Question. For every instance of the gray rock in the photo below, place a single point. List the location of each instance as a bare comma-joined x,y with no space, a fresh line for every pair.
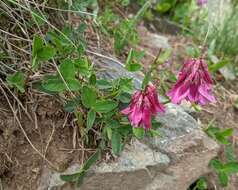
228,72
165,26
156,41
169,163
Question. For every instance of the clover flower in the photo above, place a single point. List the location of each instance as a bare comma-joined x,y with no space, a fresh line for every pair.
143,106
194,84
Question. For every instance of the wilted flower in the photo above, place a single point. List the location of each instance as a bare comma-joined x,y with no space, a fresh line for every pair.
144,104
201,2
194,83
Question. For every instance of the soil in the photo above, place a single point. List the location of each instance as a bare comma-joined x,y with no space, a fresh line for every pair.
50,134
223,113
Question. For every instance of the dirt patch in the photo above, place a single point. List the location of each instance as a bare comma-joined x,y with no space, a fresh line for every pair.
50,132
223,112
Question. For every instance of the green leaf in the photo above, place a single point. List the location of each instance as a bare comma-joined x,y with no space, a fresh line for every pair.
126,85
223,179
103,84
131,64
80,179
215,67
67,69
45,53
125,3
105,106
125,97
90,119
71,105
202,184
211,131
125,130
88,96
155,133
125,33
221,139
70,178
216,164
129,57
146,79
54,85
230,168
164,56
93,79
116,142
139,132
193,51
79,176
112,124
73,84
82,66
227,132
155,125
109,133
40,52
91,160
17,80
133,67
219,135
163,7
38,44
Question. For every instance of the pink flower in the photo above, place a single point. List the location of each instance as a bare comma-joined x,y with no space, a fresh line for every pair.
194,83
201,2
144,104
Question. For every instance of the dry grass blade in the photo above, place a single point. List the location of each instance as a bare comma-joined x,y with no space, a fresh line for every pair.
50,139
18,101
13,35
63,10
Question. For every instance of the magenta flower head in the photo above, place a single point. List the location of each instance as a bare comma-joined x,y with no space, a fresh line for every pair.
194,84
143,105
201,2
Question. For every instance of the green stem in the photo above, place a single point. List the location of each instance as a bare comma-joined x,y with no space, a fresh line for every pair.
141,12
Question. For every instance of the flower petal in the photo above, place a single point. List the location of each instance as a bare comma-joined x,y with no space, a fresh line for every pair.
205,91
126,111
146,118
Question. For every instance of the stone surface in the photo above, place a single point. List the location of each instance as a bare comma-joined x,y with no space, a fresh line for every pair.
169,163
151,43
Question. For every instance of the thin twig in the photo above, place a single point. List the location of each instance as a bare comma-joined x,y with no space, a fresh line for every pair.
78,149
9,11
5,65
104,56
50,139
18,37
19,48
66,119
